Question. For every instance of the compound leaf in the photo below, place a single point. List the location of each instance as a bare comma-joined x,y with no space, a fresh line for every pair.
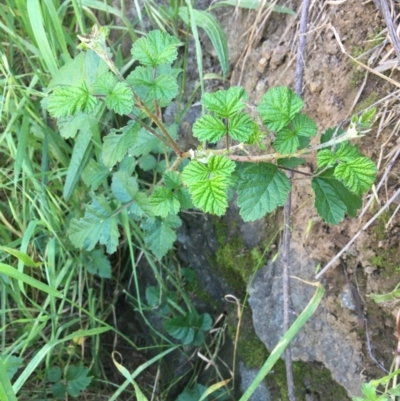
163,202
99,225
116,146
160,234
120,99
69,100
278,107
241,127
261,189
70,125
225,103
358,175
124,186
77,379
209,128
156,48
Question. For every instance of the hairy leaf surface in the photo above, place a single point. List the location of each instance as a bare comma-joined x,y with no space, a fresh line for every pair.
261,189
160,234
225,103
358,175
209,128
156,48
278,107
116,146
99,225
69,100
120,99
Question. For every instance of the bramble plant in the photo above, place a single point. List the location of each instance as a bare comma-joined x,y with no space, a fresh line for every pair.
90,85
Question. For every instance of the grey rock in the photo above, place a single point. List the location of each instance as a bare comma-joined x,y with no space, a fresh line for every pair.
323,338
247,376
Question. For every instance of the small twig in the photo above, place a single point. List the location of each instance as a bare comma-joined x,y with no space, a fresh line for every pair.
391,27
288,206
347,246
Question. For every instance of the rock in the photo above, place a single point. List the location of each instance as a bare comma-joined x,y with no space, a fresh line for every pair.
278,56
324,338
315,87
247,376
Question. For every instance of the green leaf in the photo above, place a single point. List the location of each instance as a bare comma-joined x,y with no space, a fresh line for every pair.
163,202
98,226
212,27
120,99
225,103
333,199
94,174
217,166
67,101
147,162
104,84
303,125
86,66
12,364
124,187
210,195
141,207
186,328
70,125
291,162
261,189
148,86
59,390
116,146
329,133
160,234
156,48
357,175
278,107
286,141
145,143
193,394
347,153
209,128
173,181
240,127
344,153
54,374
98,263
77,380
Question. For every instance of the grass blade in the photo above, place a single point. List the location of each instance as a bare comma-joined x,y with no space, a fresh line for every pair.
252,5
214,31
285,341
36,20
14,273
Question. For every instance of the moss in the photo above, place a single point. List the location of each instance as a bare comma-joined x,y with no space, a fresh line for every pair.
386,257
371,99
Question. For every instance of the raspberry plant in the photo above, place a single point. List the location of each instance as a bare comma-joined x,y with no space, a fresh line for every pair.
90,86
